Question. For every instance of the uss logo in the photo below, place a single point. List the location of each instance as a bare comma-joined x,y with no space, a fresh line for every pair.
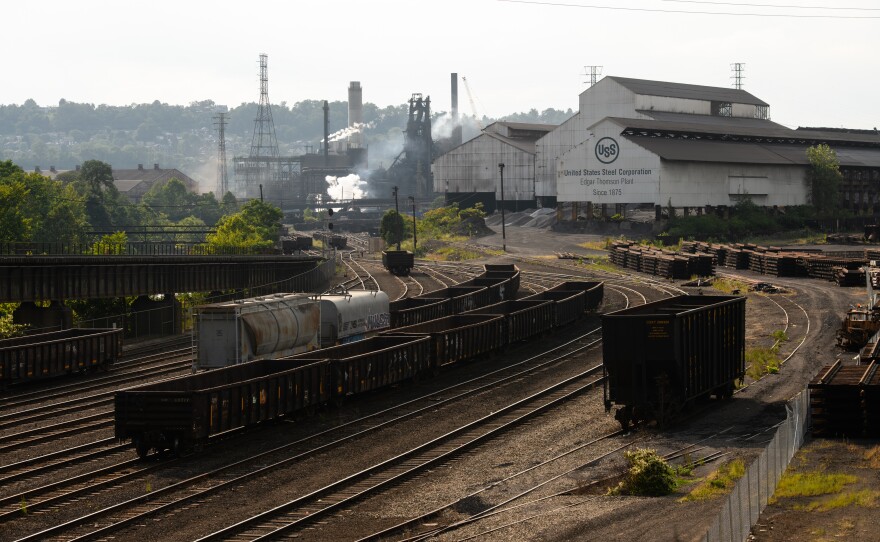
607,150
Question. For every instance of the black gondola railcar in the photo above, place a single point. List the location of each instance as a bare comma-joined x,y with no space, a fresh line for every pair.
398,262
179,413
568,305
523,319
58,353
373,363
594,292
183,412
662,356
415,310
460,337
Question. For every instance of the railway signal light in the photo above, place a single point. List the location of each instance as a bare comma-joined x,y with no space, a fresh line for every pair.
329,214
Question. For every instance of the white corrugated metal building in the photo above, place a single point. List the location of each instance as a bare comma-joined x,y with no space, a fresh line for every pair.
472,167
637,141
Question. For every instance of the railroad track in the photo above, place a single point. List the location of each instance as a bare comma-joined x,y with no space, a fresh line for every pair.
201,487
303,511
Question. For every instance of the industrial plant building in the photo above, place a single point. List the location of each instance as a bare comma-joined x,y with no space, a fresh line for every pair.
635,141
470,172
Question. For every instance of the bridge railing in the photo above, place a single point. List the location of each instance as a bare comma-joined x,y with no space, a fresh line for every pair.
128,249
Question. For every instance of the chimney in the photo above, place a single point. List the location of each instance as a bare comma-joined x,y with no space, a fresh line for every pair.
355,104
456,127
155,166
326,131
140,167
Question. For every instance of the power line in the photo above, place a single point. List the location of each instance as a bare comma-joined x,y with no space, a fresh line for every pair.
688,12
792,6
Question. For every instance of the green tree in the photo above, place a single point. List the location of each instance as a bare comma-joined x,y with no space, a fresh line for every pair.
824,177
257,225
171,198
391,228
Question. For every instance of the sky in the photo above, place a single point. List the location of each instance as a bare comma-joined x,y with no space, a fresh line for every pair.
815,67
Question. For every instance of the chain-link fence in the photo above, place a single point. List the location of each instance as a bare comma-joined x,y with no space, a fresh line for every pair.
750,496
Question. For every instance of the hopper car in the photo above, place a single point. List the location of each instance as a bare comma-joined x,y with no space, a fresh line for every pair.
664,356
352,315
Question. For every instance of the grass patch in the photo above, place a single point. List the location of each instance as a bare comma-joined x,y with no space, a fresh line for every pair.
597,245
602,263
865,498
810,484
872,456
719,482
762,361
453,254
728,286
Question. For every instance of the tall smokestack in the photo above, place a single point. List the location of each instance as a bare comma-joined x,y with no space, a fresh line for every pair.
355,113
326,131
456,127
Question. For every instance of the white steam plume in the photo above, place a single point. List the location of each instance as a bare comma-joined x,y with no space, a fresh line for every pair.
348,187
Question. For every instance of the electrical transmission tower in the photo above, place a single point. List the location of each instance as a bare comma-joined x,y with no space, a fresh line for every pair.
263,162
222,175
738,68
594,72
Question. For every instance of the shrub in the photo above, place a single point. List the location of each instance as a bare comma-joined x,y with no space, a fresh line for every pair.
648,474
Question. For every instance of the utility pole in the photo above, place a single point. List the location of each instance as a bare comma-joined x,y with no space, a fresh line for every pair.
413,200
503,230
397,210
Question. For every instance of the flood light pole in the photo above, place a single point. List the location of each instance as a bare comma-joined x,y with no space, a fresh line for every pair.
503,231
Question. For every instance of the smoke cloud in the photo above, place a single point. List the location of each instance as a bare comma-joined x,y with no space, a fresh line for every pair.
348,187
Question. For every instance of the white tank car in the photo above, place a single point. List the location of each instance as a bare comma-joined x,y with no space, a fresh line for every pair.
268,327
352,315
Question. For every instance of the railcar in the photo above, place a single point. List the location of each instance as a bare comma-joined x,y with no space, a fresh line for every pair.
297,243
272,326
663,356
459,337
352,315
524,319
58,353
398,262
569,305
183,413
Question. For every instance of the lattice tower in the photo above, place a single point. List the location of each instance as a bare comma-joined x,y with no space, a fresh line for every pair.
738,69
263,163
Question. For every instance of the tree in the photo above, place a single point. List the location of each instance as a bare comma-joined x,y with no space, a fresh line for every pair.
391,229
257,225
171,198
824,177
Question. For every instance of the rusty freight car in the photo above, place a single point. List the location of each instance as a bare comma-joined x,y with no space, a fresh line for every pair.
663,356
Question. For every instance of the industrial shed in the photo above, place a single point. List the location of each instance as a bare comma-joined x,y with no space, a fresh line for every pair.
469,172
637,141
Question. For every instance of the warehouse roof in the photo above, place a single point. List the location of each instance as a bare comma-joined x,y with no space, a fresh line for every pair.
698,127
693,150
691,92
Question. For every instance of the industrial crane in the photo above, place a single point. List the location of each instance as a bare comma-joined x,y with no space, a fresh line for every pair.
473,106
